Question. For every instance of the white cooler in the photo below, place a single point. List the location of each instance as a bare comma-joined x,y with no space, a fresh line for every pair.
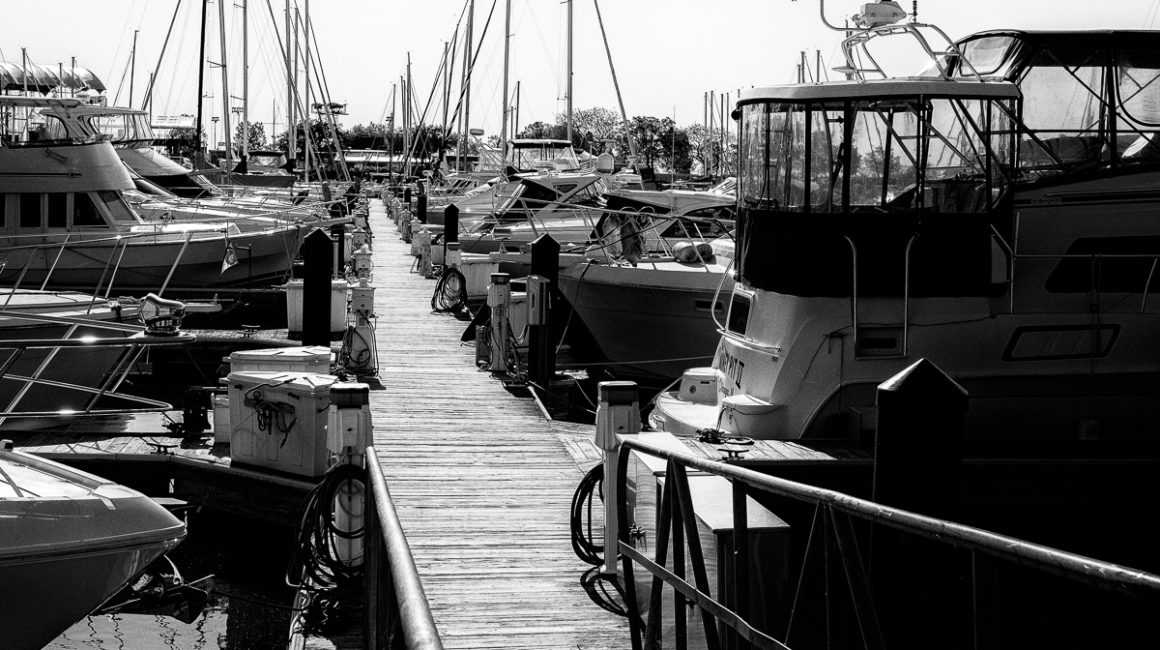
278,420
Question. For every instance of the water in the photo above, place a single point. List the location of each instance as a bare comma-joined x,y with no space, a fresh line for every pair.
249,607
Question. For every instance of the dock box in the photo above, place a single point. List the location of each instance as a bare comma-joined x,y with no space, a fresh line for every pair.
278,420
309,358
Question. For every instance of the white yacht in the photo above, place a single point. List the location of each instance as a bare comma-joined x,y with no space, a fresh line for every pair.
1006,233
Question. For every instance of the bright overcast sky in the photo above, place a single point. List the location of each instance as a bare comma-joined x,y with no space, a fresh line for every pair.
667,53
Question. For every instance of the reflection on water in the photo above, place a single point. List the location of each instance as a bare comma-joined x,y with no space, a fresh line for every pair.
249,608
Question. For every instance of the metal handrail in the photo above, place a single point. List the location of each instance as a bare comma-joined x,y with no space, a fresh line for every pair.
834,509
396,612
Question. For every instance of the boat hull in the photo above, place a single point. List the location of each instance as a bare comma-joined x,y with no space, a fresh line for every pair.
651,321
146,262
69,541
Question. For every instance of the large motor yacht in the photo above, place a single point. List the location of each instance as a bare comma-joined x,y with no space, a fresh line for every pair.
1005,232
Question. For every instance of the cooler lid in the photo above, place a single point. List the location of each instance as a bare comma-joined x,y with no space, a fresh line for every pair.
312,383
298,353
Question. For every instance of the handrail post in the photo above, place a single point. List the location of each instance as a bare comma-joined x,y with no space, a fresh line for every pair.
618,413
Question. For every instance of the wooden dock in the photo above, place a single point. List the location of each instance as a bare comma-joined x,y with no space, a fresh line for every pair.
481,480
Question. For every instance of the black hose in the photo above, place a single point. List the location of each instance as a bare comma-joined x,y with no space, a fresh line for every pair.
335,584
586,549
451,294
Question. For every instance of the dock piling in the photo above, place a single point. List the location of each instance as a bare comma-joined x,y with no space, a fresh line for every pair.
545,264
318,259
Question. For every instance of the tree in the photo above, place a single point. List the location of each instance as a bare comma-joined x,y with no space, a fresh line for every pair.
257,132
542,130
590,126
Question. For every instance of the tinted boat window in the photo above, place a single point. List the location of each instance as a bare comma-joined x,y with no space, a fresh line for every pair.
57,210
1138,85
29,210
84,212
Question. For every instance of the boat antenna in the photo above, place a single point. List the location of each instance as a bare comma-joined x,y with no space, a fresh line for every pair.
199,155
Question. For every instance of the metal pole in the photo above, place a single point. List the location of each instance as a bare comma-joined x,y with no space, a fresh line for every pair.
245,83
507,31
615,83
132,66
291,129
306,77
569,71
225,85
466,84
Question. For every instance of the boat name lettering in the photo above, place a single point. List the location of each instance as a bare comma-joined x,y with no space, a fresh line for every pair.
733,368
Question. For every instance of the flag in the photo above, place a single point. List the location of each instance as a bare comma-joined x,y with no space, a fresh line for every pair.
230,258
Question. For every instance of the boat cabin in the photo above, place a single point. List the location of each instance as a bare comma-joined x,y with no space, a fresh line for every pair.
878,188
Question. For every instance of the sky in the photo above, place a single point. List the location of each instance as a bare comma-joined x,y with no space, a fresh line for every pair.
667,53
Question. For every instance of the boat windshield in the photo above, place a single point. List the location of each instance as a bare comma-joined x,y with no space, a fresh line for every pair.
822,156
124,128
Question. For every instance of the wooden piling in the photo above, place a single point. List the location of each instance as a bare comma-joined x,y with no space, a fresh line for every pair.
545,263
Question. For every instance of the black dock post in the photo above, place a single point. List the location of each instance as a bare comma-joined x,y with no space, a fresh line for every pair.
545,263
450,224
918,445
917,458
421,208
407,197
318,256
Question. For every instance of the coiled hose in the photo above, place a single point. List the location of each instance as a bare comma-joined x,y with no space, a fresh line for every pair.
335,584
451,294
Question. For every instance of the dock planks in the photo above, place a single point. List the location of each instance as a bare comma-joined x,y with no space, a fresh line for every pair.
482,482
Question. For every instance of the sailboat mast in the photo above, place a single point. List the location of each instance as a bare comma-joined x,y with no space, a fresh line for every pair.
199,156
245,84
465,125
569,71
408,89
133,67
507,37
291,125
225,85
306,76
391,135
615,83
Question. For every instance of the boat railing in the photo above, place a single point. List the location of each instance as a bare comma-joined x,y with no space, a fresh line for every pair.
117,251
846,535
860,62
132,339
396,613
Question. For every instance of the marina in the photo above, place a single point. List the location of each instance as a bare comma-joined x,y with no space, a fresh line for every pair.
860,357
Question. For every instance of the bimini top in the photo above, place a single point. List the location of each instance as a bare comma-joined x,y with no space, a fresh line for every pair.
43,79
879,89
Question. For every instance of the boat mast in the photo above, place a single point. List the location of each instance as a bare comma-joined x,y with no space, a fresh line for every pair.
569,72
245,85
147,102
507,37
291,125
615,83
306,75
132,66
465,124
407,139
391,136
199,155
225,84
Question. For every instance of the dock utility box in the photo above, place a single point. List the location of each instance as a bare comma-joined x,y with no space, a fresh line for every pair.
311,358
295,299
278,420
